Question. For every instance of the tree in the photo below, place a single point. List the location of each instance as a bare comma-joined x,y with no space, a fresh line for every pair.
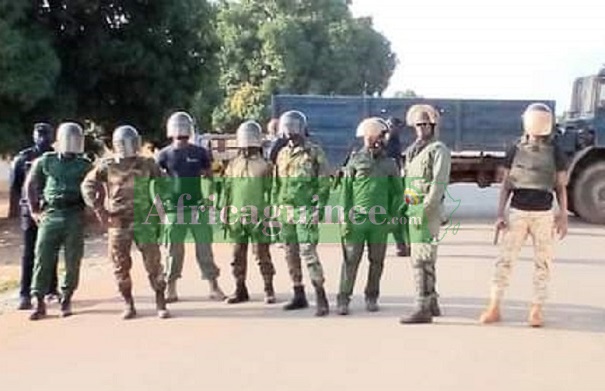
134,61
300,47
29,69
108,61
406,94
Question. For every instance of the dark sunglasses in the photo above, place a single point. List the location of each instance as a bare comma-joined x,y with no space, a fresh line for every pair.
422,124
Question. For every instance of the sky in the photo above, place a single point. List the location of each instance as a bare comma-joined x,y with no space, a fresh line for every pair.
486,49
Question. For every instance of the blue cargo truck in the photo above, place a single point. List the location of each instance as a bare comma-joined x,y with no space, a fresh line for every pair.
478,133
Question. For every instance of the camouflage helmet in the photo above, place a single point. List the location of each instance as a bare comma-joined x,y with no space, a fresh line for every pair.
538,120
70,138
373,126
422,113
292,122
179,124
126,141
248,135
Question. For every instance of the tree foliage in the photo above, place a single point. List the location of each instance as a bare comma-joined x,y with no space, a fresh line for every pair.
135,61
298,47
109,61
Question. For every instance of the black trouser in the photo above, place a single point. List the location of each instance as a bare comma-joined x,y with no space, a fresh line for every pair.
30,233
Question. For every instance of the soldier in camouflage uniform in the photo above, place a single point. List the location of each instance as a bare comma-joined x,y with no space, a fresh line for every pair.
371,180
248,179
114,178
427,173
58,176
301,181
534,167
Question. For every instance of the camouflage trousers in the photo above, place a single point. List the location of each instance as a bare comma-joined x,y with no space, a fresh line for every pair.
424,258
121,234
353,245
300,242
423,244
540,227
242,236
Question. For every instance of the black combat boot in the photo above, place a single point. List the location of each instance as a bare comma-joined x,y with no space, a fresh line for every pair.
422,314
66,305
269,293
129,310
342,304
372,304
299,300
321,300
240,295
25,303
40,310
160,304
435,310
403,250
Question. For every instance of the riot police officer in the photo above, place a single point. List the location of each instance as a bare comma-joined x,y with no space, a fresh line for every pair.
248,185
43,138
371,180
58,176
114,178
301,181
186,163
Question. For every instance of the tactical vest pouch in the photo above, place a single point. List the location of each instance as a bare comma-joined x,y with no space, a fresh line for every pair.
533,166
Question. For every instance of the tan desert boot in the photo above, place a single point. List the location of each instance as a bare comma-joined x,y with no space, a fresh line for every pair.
535,316
491,314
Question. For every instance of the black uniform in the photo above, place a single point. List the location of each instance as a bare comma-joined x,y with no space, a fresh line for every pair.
20,167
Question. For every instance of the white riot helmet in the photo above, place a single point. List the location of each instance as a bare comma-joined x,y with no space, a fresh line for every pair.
372,127
179,124
538,120
292,123
70,138
249,135
126,141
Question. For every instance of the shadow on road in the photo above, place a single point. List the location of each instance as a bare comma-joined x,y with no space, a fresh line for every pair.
457,311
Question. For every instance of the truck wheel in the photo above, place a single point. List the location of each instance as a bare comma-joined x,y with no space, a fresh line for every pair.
589,194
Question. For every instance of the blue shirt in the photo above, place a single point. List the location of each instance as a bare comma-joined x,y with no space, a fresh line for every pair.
189,162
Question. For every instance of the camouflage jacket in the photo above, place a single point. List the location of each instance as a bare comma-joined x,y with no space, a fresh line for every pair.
301,176
126,183
247,182
427,174
372,181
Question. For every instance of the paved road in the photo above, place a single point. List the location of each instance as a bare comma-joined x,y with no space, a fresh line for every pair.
213,346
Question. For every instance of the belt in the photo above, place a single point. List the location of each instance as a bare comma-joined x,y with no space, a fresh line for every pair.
64,204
